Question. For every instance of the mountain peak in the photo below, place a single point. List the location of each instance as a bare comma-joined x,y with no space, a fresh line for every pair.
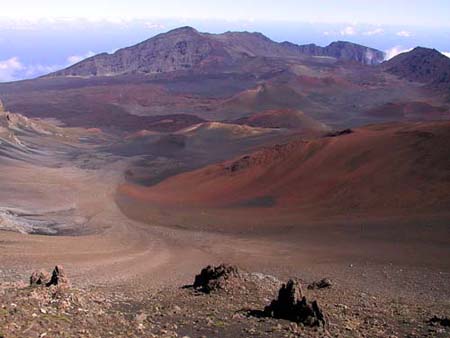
185,48
184,29
421,64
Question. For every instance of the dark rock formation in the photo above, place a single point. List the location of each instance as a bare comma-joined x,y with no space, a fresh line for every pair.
39,278
292,305
444,321
322,284
339,133
58,276
43,278
215,278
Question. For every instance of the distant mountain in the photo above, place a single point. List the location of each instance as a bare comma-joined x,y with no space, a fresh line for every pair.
421,65
185,48
341,50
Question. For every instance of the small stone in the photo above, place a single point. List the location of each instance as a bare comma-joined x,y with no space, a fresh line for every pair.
141,317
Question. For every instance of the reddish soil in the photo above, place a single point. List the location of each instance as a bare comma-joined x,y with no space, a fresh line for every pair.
378,171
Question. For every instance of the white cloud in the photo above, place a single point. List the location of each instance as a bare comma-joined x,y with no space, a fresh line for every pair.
9,69
447,54
77,58
394,51
32,71
13,69
349,30
404,34
375,31
154,25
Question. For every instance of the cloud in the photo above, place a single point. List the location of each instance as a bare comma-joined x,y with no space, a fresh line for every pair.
447,54
154,25
13,69
375,31
9,69
404,34
349,30
77,58
394,51
32,71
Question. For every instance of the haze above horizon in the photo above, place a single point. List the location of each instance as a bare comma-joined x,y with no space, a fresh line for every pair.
400,12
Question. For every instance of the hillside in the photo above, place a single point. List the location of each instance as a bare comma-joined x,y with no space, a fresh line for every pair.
421,65
283,118
396,169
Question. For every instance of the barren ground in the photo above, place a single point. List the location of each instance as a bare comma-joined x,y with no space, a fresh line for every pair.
389,277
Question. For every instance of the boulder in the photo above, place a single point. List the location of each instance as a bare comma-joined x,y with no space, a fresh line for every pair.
215,278
43,278
443,321
39,278
58,276
292,305
339,133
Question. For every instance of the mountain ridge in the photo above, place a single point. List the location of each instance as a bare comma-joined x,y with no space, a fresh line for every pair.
185,48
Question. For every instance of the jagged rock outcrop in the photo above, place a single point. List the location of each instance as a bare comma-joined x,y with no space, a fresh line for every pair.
58,276
292,305
43,278
215,278
40,278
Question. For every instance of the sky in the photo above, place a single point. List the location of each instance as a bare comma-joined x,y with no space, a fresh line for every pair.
37,37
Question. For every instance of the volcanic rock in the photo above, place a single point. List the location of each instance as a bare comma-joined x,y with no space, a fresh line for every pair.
444,321
39,278
322,284
292,305
339,133
215,278
58,276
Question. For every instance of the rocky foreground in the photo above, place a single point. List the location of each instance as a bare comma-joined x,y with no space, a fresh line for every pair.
222,302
